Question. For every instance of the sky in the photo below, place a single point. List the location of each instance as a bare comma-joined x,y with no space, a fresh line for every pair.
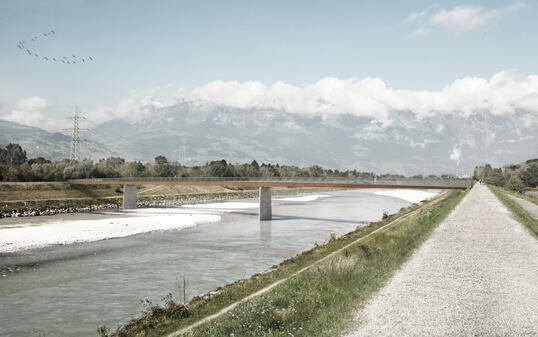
378,55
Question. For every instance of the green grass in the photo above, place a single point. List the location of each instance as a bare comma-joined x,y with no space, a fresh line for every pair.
519,213
318,301
527,197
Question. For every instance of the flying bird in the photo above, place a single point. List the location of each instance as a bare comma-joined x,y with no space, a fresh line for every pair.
91,58
29,52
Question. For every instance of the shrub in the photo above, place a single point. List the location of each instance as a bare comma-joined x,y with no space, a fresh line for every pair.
515,184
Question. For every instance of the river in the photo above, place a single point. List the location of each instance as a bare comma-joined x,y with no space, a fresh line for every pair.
68,290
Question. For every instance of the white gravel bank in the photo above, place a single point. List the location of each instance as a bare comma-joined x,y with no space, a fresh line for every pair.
477,275
412,196
68,232
305,198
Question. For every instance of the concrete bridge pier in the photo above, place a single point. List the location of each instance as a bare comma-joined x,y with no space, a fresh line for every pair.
129,196
266,212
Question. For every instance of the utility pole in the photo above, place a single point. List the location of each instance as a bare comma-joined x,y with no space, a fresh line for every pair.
75,138
184,150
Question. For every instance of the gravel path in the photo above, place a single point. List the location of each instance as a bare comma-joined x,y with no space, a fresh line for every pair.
477,275
531,208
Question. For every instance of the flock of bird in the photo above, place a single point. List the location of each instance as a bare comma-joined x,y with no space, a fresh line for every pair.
73,59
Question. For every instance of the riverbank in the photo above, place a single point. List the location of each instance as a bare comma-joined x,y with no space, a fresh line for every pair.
321,290
40,199
21,234
519,212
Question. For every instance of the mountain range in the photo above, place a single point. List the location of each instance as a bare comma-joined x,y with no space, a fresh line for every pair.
440,143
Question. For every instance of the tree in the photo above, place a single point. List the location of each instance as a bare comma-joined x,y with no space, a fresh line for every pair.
134,169
162,167
495,177
38,160
11,174
12,154
530,175
515,184
219,168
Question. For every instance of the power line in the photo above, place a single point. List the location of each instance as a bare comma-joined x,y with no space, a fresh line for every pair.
75,138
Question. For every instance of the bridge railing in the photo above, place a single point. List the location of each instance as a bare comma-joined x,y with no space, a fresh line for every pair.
441,182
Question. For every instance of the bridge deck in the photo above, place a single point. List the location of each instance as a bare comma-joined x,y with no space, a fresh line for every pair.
285,182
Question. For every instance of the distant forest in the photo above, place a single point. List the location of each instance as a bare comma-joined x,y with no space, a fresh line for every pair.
516,177
14,166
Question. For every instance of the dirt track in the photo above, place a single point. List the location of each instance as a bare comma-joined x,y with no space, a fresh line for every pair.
477,275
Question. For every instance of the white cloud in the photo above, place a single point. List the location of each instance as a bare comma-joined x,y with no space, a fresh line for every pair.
455,155
28,111
370,97
461,19
528,120
418,15
419,32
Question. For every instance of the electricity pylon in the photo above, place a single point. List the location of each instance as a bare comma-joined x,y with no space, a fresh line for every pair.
75,138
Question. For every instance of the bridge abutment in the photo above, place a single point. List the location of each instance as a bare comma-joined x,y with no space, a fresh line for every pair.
266,211
129,196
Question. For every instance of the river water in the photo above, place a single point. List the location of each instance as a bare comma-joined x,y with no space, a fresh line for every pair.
69,290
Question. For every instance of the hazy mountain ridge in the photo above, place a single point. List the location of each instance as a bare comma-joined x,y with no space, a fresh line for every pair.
51,145
338,141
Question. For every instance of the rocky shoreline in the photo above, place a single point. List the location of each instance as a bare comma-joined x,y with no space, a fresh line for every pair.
189,200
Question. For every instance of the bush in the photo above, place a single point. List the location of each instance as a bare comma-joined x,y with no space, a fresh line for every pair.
515,184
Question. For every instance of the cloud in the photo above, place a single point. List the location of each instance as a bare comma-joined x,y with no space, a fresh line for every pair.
28,111
440,128
461,19
455,155
418,15
419,32
502,94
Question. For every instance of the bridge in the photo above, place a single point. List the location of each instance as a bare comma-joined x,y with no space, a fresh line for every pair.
265,184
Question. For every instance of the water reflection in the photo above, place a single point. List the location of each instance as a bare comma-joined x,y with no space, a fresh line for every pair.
265,231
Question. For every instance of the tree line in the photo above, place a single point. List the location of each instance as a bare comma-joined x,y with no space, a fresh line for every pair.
14,166
516,177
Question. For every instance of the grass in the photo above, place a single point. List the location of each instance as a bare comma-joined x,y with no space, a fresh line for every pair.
527,197
519,213
318,301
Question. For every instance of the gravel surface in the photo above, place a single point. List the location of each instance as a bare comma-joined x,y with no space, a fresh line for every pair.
477,275
531,208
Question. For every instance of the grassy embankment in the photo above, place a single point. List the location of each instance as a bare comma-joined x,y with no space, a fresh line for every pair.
527,197
519,212
39,196
322,286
